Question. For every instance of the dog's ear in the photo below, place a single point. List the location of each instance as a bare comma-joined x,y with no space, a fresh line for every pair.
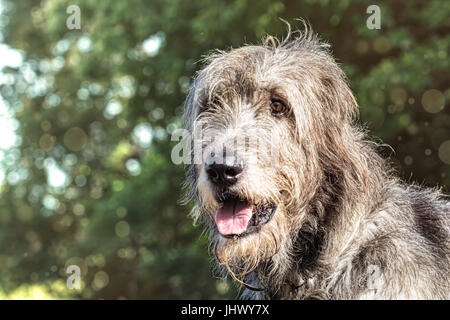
341,156
336,97
342,138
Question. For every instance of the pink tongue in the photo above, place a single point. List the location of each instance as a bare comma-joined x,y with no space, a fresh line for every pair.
233,217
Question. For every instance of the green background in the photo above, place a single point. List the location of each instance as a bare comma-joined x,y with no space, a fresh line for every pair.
118,215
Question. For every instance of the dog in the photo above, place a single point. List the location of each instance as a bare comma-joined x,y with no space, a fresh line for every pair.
297,201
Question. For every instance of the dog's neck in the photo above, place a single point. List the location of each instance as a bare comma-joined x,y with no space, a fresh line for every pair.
305,265
316,253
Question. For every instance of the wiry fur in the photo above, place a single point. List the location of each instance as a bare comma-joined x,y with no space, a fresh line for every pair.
342,218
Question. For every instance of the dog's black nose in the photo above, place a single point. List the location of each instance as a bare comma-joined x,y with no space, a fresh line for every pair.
224,174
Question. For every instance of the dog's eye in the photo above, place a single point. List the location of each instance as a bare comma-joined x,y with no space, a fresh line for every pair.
277,107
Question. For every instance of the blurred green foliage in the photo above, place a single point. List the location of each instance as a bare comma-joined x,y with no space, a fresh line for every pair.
90,180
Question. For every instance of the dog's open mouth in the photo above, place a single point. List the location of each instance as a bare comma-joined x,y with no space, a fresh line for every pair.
238,217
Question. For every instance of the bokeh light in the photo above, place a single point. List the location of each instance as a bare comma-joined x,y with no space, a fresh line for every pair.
433,101
75,139
122,229
444,152
143,135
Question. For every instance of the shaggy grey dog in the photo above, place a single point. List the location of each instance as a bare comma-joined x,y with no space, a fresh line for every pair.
297,201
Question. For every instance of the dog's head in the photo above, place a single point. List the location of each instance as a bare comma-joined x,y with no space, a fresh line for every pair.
268,124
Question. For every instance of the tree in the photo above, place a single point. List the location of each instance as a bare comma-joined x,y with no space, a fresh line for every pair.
90,181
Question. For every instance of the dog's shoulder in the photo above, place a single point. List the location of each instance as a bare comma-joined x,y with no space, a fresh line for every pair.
431,213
